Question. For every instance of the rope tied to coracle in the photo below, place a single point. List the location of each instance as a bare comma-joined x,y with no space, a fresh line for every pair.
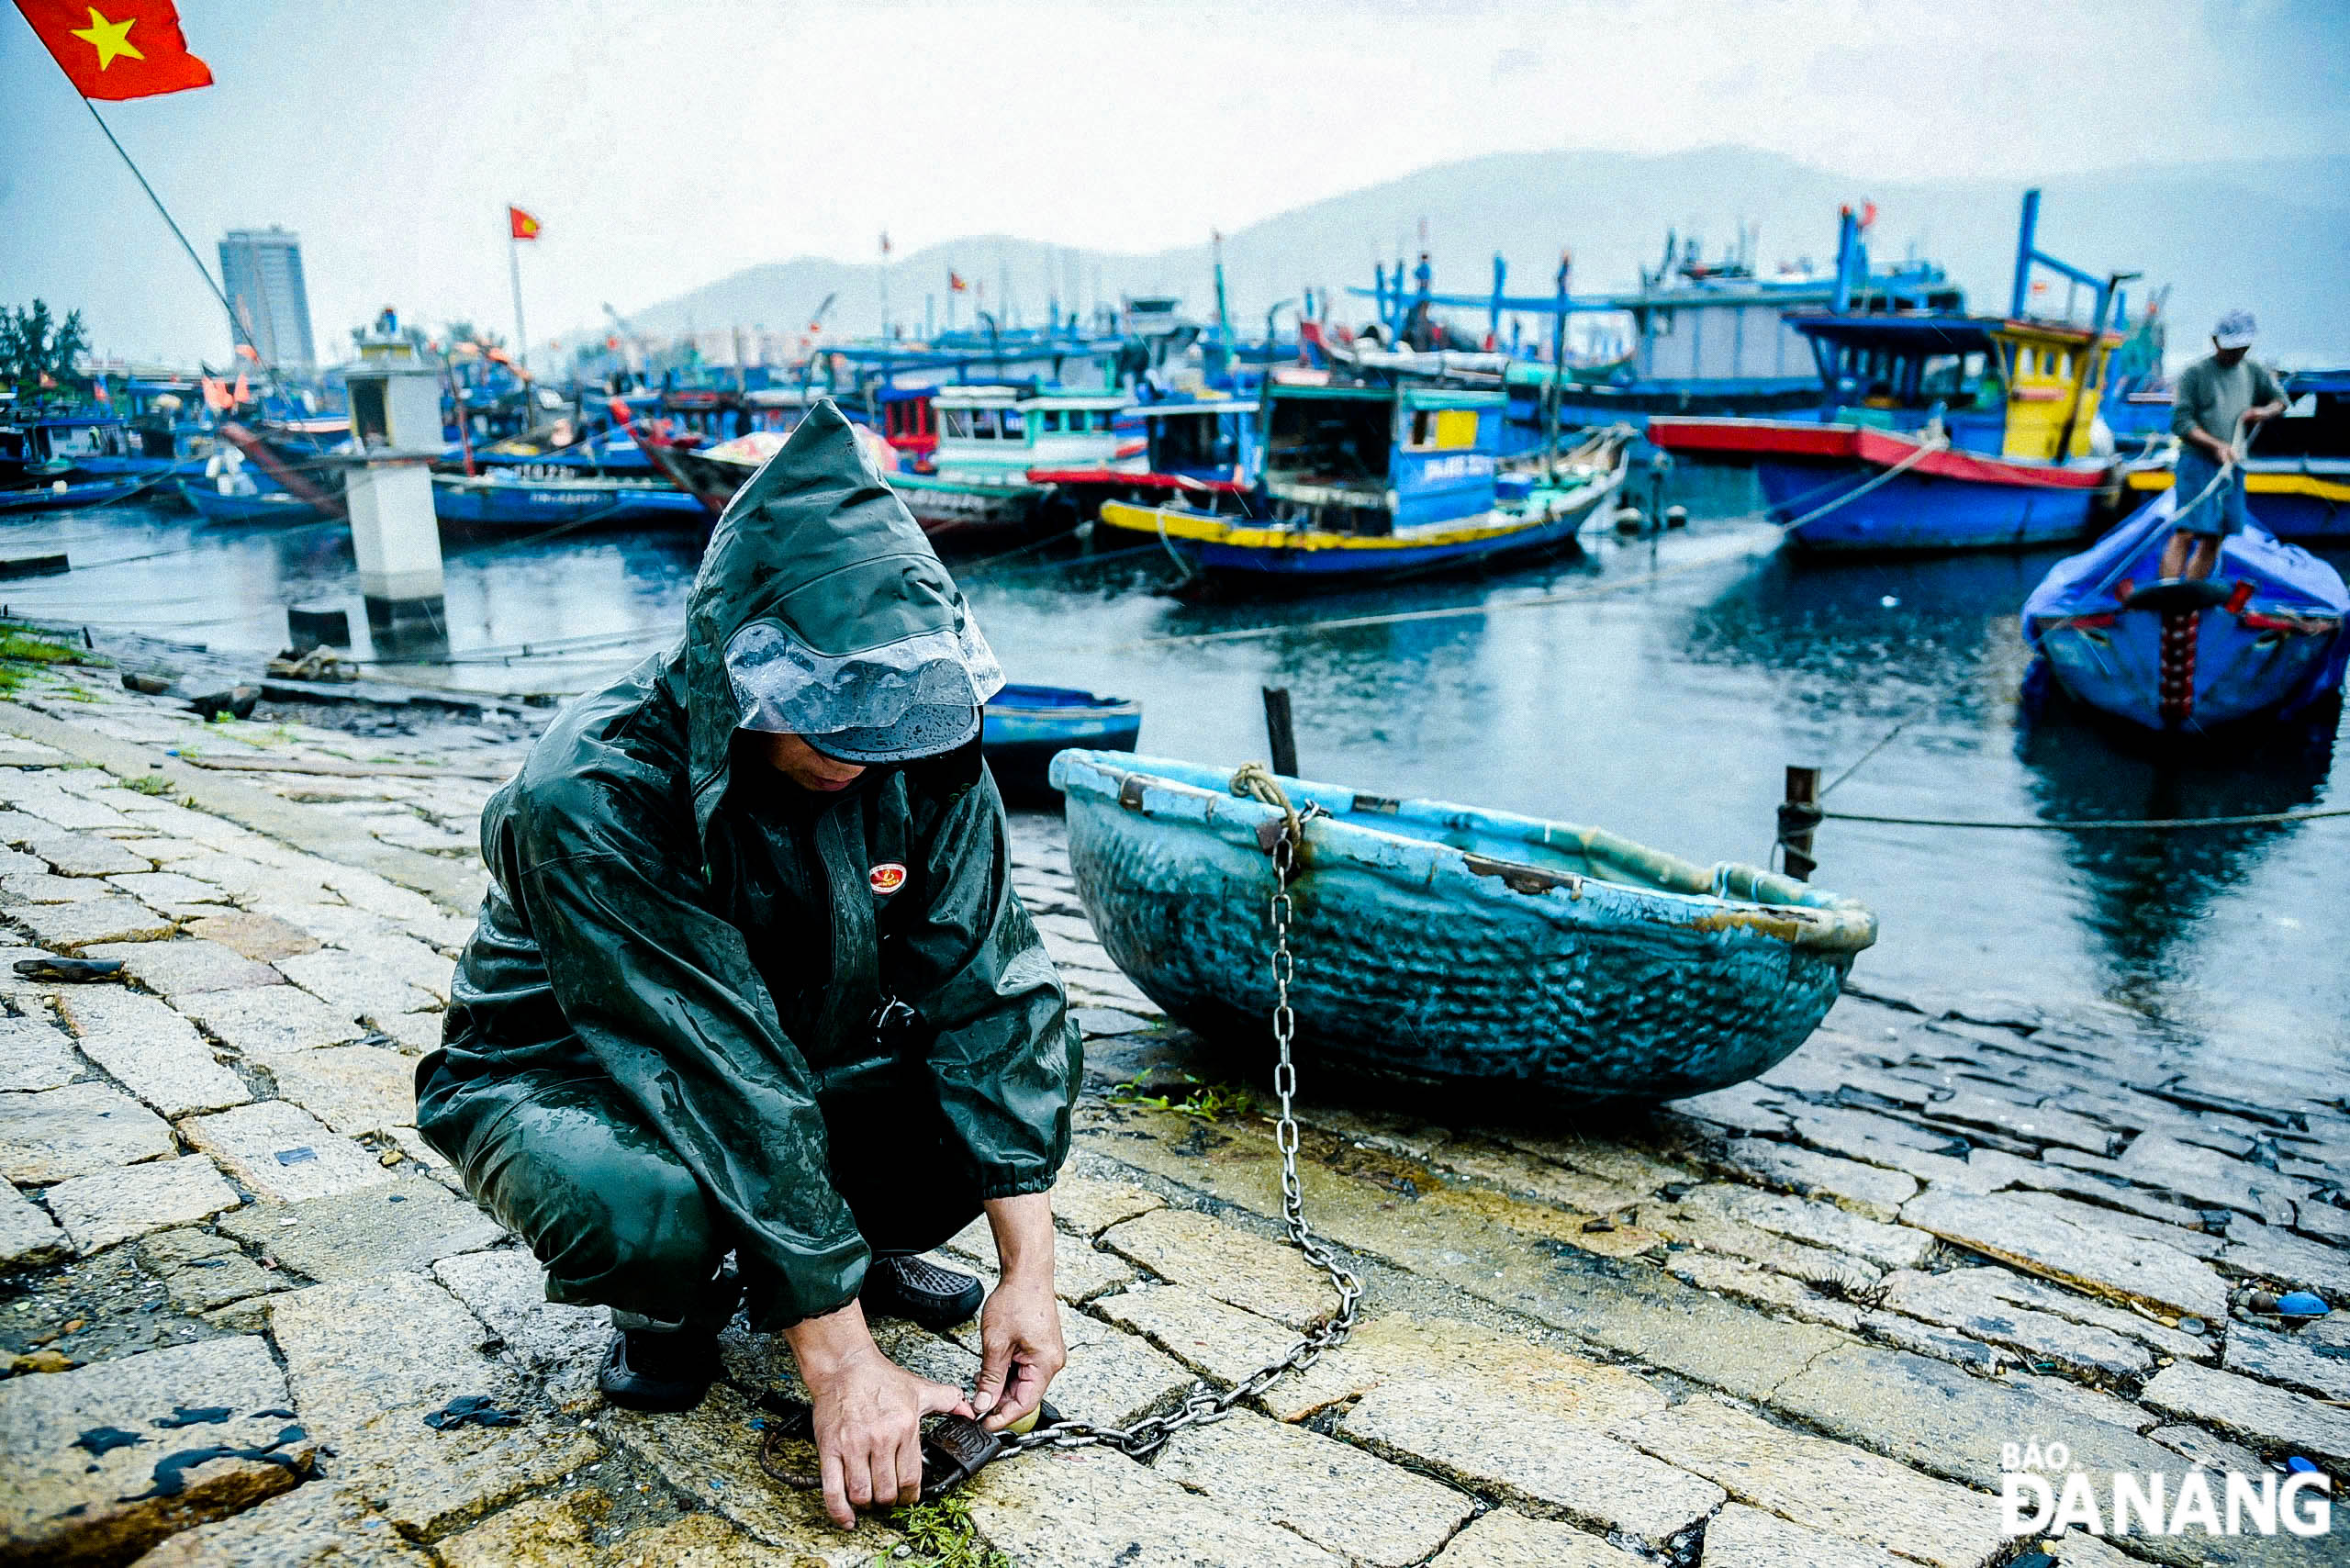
1254,781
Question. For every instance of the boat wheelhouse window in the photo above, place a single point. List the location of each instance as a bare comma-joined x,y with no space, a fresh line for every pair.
1333,441
1442,430
1946,374
1049,421
1013,423
1201,441
954,423
983,423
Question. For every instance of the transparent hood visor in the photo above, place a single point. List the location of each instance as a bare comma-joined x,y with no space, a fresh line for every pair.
910,699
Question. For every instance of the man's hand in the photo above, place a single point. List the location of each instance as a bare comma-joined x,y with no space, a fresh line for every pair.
2263,413
1020,1328
869,1413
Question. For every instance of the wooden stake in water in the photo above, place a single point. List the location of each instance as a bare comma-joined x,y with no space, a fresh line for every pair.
1798,815
1279,735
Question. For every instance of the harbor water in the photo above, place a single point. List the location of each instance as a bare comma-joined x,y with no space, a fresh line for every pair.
1656,685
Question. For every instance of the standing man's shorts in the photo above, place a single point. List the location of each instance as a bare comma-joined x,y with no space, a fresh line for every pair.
2219,512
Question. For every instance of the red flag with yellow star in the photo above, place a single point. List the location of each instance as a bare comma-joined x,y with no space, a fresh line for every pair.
520,225
118,49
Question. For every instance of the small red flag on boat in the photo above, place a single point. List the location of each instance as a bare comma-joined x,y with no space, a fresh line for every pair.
248,352
216,396
126,49
520,224
98,390
954,284
243,394
1868,213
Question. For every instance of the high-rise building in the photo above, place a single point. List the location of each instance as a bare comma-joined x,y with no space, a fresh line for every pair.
260,271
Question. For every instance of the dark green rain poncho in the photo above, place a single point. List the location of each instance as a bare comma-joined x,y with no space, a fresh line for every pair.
728,961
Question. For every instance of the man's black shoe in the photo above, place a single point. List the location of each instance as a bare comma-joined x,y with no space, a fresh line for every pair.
921,1291
659,1369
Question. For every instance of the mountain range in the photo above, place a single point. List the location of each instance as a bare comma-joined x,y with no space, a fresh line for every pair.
2271,235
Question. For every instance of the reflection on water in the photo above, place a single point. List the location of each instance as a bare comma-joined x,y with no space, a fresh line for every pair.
1657,686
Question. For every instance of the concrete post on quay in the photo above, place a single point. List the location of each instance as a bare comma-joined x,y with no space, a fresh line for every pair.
396,417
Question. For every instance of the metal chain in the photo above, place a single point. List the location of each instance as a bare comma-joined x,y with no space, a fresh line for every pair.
1202,1405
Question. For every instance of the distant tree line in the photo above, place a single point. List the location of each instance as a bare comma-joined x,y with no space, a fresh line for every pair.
36,349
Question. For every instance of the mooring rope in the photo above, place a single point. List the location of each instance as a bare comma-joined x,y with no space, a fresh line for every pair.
2263,818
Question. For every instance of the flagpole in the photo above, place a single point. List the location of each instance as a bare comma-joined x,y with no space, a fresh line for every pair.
236,327
514,261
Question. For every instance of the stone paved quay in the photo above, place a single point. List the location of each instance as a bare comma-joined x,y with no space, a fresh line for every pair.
1791,1323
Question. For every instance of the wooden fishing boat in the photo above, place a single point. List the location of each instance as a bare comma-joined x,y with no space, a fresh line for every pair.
503,498
1443,945
1025,727
264,505
1382,480
2262,637
1202,446
984,475
61,494
1936,430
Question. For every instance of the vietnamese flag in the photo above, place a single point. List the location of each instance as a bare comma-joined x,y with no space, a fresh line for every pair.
520,224
954,284
118,48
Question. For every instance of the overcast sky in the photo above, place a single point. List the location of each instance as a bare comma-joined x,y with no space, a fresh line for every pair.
666,144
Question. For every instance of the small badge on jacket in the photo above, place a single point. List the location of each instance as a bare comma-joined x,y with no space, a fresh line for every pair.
886,878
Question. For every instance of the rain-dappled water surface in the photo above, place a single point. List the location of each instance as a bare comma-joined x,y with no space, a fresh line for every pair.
1656,687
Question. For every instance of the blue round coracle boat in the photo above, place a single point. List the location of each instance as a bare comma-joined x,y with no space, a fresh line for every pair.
1440,944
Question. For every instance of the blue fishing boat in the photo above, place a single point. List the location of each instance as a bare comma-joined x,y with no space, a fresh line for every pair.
1025,727
1205,445
59,494
499,499
264,504
2262,636
2297,475
1936,432
1443,945
1380,480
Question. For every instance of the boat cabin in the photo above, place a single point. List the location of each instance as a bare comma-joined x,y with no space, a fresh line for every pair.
994,435
1370,460
910,421
2014,388
53,447
1210,437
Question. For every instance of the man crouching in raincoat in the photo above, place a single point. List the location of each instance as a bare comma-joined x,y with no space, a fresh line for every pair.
750,979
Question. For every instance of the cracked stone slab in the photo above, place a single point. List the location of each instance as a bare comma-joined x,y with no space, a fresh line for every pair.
352,1089
2034,1124
283,1154
1506,1539
710,1453
1764,1287
204,1272
66,1504
1187,1247
33,1055
1817,1224
1974,1302
1740,1536
367,1394
405,1223
115,1206
1213,1339
1827,1486
1868,1189
69,927
68,853
45,887
1404,1348
315,1526
2266,1417
507,1289
2074,1245
27,1235
1085,1508
187,964
150,1049
168,889
355,985
255,936
2033,1295
2300,1361
2208,1177
55,1135
1939,1419
1534,1458
271,1018
1316,1486
1087,1207
2272,1254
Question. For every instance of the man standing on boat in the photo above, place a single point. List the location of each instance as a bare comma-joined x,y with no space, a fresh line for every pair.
750,979
2216,394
